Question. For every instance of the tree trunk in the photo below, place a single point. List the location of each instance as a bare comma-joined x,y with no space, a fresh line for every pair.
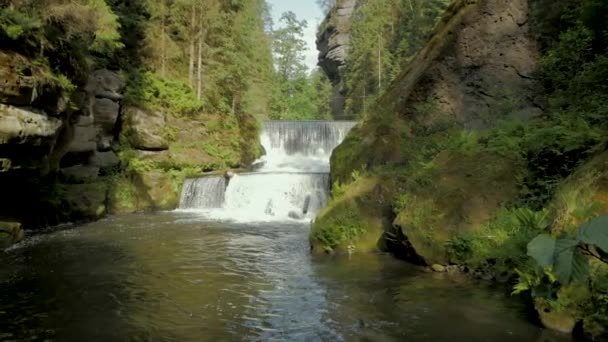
192,46
163,56
199,78
379,63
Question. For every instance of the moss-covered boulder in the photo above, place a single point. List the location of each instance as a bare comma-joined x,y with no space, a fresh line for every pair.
355,219
10,233
463,192
82,202
145,191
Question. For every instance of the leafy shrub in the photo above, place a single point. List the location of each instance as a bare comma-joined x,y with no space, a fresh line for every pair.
151,91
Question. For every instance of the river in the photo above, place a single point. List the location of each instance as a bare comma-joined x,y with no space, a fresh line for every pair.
178,277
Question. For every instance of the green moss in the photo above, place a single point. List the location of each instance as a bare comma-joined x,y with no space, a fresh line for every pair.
122,195
352,220
459,193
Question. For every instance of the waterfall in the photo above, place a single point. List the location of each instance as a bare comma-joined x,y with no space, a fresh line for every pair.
204,192
291,180
301,146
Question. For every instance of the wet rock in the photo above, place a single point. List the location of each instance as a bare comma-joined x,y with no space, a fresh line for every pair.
10,233
157,190
558,321
306,205
80,174
294,215
82,202
438,268
229,174
145,130
452,269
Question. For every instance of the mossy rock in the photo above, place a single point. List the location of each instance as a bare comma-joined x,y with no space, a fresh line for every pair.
145,191
81,202
558,320
380,141
160,188
354,220
10,233
122,196
464,193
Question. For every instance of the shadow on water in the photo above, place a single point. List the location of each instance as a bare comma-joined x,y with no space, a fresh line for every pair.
175,277
50,289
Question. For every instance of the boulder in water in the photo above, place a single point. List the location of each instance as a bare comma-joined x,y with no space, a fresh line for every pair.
10,233
229,174
294,215
306,205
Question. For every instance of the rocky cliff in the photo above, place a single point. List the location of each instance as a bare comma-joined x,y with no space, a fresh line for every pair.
332,43
469,156
75,154
481,63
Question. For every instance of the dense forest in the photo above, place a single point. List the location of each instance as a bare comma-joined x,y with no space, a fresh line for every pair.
385,37
217,53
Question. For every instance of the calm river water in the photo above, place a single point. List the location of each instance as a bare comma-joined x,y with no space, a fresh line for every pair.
176,277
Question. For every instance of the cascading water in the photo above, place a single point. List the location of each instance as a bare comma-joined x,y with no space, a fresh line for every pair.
206,192
291,181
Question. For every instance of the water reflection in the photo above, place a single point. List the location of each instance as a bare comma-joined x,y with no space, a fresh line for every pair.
172,277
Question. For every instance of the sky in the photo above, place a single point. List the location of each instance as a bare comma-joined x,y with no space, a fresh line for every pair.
304,9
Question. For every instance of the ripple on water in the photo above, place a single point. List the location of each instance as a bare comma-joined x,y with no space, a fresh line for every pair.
173,277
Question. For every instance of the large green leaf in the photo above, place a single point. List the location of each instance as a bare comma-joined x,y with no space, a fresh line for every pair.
570,265
542,249
595,232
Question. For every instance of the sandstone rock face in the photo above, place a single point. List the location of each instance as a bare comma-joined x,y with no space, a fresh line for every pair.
19,126
332,42
145,130
478,68
28,85
80,174
84,135
482,57
105,160
105,112
26,138
105,84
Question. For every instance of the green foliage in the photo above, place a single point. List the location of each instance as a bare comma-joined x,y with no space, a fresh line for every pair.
343,228
567,255
151,91
502,240
385,36
298,95
15,24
